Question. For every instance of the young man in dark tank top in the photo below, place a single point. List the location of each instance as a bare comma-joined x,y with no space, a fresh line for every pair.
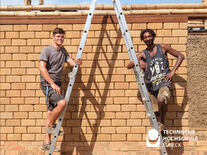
154,62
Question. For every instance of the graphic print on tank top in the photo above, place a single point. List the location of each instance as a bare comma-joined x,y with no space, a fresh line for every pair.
157,68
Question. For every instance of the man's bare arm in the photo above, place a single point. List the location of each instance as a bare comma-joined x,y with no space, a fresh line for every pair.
140,58
176,54
71,62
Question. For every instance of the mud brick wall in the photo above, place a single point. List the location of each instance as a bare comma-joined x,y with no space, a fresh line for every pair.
197,81
104,108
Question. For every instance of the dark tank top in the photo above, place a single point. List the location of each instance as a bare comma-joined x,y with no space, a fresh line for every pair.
157,68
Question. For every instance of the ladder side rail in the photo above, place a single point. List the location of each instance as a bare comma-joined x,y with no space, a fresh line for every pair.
142,89
130,46
137,70
128,42
60,119
125,32
72,75
150,115
140,80
122,30
86,29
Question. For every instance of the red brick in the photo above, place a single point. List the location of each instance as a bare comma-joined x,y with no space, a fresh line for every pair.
5,86
20,115
26,34
20,27
118,137
108,130
13,137
11,49
28,122
11,108
26,137
20,129
6,27
7,129
119,122
5,42
13,122
122,129
133,122
35,27
128,108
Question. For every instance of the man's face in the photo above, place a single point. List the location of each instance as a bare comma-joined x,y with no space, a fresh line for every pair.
58,39
148,39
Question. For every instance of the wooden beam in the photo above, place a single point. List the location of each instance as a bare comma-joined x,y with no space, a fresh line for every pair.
41,2
27,2
204,1
96,20
103,7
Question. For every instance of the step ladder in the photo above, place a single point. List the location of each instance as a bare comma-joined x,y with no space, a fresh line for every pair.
137,71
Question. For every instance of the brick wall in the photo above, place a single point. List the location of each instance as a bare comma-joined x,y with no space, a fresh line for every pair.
105,108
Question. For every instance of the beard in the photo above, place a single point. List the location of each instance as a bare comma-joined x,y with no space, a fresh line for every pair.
149,43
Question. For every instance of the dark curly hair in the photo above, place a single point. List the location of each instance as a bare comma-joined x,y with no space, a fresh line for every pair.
147,30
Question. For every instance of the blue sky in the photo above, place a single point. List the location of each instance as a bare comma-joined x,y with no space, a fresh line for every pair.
35,2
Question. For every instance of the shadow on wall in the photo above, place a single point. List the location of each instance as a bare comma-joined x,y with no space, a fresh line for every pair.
177,115
78,120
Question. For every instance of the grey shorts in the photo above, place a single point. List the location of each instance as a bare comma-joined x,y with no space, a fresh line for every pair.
53,97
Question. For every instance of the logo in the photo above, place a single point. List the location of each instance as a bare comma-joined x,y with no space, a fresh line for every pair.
173,138
153,138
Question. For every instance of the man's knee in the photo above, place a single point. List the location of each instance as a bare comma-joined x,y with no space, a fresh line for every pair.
61,103
160,101
49,112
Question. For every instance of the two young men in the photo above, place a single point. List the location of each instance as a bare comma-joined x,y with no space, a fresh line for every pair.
153,60
52,59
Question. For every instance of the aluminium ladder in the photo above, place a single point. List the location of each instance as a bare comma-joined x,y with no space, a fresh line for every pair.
72,75
137,71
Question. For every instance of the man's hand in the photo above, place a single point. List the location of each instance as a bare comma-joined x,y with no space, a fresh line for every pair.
130,65
55,88
169,76
78,61
142,64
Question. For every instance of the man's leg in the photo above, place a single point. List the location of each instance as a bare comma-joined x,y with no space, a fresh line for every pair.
155,106
55,113
52,117
164,112
161,104
162,99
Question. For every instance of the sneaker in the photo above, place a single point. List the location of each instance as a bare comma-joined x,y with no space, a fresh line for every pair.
46,147
51,130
